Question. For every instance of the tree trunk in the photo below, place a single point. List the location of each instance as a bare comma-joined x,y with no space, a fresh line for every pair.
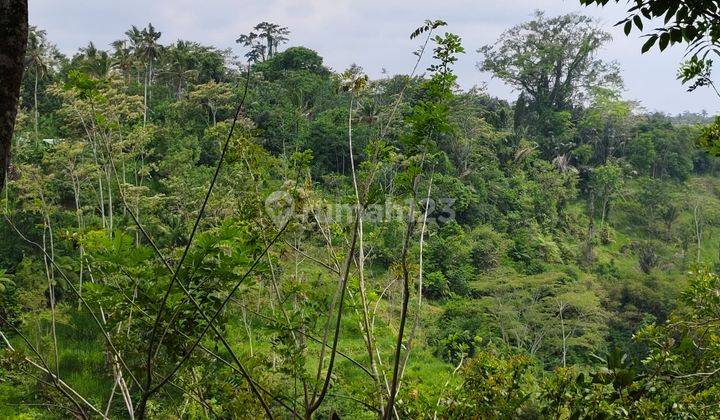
698,232
13,41
37,116
606,202
145,98
110,200
561,308
588,252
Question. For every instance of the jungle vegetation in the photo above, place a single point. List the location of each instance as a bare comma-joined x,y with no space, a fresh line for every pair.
191,234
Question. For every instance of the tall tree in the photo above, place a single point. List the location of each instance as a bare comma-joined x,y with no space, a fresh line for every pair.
178,65
13,41
606,125
258,51
122,59
36,60
553,63
145,46
274,35
271,33
94,62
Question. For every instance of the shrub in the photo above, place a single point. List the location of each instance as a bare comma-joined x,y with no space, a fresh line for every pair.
647,256
488,248
529,251
436,286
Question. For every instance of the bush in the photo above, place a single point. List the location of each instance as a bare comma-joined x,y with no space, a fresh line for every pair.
607,270
459,330
530,251
647,256
493,387
436,286
488,249
606,235
451,253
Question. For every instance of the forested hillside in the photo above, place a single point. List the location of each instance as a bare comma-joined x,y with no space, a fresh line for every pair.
191,234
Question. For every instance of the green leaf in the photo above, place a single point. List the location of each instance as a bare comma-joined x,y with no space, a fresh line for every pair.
638,22
676,35
671,11
649,44
664,40
628,27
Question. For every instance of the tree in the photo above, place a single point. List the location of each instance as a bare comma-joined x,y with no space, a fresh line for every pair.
582,319
94,62
669,213
696,23
13,42
293,59
185,63
640,152
274,35
122,58
258,51
710,138
145,47
661,149
37,59
651,195
603,185
428,121
263,41
552,62
216,97
683,352
606,125
605,182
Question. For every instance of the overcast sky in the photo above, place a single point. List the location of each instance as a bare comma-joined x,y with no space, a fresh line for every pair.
371,33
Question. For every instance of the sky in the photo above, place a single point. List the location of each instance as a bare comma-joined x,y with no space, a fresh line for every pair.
371,33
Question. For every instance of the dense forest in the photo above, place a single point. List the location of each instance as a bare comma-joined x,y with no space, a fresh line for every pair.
187,233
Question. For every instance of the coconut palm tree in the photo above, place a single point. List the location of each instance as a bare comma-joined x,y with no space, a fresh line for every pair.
122,58
145,46
95,62
37,60
179,65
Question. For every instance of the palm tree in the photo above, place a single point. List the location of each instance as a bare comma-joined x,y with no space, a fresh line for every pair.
145,46
134,41
180,65
36,58
122,58
95,62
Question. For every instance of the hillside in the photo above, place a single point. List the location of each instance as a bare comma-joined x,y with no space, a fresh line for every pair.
187,234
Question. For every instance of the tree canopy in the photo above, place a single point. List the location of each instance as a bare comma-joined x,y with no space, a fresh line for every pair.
186,234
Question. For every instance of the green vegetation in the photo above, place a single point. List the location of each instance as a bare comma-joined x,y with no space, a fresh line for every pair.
188,236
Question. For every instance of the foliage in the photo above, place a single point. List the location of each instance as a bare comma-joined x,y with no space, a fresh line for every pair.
551,61
314,250
694,23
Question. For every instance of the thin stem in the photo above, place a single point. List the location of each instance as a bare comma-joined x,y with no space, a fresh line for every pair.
343,287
